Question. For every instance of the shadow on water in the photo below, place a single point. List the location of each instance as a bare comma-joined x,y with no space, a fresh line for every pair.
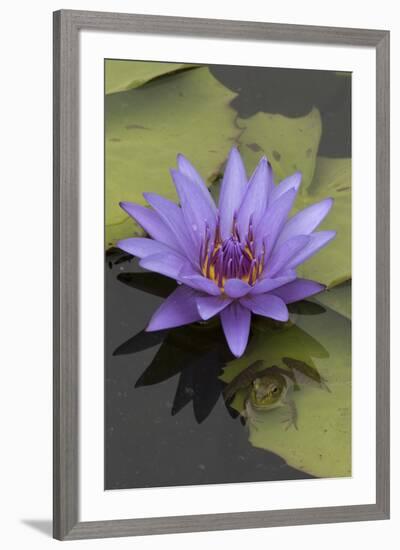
185,351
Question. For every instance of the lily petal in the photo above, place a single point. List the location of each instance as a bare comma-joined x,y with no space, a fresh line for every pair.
236,288
291,182
298,290
141,247
196,209
267,305
267,284
305,221
208,306
200,283
180,308
316,242
235,321
255,199
151,223
172,216
186,168
232,190
166,263
283,254
196,280
273,220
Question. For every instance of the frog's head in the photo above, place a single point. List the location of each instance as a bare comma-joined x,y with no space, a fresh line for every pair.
267,391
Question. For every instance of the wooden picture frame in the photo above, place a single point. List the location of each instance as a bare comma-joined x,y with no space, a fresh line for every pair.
67,26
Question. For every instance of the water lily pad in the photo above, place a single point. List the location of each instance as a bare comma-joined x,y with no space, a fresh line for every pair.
271,340
117,231
332,265
322,444
337,298
290,144
187,112
122,75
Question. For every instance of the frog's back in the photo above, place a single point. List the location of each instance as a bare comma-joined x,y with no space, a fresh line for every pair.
304,373
244,379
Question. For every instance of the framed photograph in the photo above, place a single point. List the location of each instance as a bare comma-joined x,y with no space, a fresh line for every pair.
221,274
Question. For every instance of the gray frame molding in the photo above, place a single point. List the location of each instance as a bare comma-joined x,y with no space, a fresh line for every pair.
67,25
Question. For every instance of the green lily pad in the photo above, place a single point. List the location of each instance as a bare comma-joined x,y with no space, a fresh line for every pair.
122,75
321,445
290,144
331,265
187,112
270,341
337,298
125,228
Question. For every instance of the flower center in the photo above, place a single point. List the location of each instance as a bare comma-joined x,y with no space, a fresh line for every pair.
232,258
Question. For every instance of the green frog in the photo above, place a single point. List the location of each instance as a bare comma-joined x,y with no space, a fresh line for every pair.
266,389
304,374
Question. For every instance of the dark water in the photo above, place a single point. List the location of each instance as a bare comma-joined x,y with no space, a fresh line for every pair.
293,93
166,422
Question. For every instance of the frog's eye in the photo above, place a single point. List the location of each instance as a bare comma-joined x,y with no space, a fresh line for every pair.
275,389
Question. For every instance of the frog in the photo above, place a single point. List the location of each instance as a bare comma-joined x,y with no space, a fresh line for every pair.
305,374
265,389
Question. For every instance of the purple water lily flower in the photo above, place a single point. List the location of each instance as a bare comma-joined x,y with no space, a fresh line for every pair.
232,260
